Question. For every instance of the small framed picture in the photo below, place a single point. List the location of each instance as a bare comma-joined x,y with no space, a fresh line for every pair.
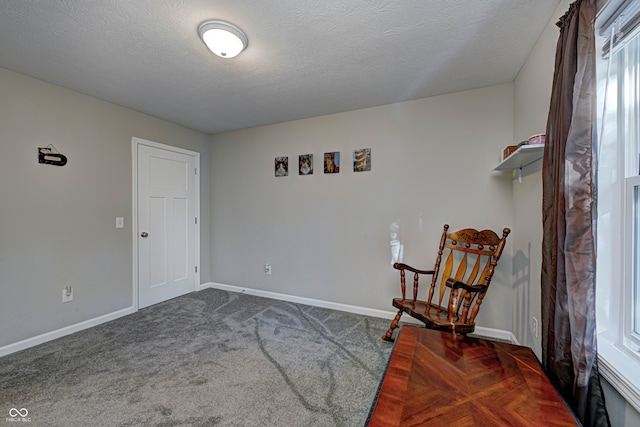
282,166
362,160
305,164
332,162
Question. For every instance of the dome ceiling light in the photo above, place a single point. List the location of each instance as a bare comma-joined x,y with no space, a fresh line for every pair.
222,38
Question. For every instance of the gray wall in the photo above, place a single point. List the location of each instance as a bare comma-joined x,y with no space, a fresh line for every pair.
532,89
532,93
328,236
58,223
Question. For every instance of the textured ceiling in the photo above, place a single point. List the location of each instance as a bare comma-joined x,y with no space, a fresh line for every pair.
305,57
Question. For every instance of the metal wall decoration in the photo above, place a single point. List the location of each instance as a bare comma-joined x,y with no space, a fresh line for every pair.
48,156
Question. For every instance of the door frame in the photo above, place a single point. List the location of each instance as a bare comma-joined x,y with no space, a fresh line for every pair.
135,142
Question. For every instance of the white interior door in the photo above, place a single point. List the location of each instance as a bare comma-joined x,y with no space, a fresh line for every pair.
167,223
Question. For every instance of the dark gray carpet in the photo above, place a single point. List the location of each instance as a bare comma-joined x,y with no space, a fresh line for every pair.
207,358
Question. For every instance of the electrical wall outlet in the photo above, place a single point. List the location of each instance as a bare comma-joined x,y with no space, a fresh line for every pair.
267,268
67,294
534,326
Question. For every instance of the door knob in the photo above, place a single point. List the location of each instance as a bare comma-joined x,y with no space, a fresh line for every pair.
144,234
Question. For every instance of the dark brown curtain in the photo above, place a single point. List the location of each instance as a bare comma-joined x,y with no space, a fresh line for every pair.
569,348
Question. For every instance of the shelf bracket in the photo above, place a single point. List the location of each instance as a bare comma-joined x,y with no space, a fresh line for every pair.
520,175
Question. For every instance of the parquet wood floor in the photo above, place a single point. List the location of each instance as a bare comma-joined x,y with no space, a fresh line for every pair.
440,379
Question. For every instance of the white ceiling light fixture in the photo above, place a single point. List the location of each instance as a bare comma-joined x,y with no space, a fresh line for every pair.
222,38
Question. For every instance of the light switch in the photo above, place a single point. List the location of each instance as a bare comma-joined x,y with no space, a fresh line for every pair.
119,222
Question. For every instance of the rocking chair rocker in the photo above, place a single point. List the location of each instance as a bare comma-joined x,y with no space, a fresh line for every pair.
468,247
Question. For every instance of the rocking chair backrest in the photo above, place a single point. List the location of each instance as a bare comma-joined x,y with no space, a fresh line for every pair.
470,256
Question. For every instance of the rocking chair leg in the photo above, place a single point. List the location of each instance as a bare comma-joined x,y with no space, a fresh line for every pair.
394,324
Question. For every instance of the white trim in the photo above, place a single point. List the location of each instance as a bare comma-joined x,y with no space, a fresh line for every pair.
67,330
134,221
500,334
135,142
485,332
302,300
620,370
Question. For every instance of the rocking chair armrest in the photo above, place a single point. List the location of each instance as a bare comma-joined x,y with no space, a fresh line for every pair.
401,266
456,284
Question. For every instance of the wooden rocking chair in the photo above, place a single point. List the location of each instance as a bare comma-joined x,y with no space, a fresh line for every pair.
479,249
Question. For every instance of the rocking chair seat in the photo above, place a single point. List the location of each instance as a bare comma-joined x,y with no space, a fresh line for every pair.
433,316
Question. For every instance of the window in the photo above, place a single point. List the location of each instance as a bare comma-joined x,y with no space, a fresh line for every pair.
632,200
618,252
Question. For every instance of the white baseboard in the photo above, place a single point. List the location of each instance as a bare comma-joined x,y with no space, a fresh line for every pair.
499,334
302,300
485,332
67,330
49,336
